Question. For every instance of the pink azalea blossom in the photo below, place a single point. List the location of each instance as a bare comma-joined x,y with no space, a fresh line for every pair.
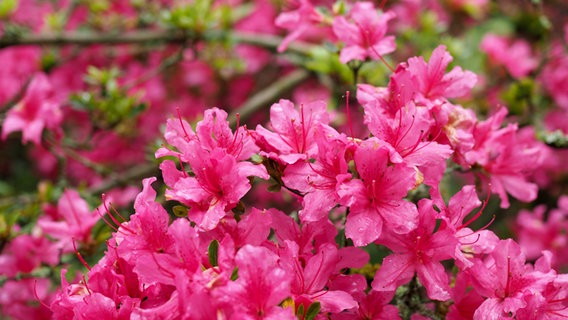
218,185
260,287
506,157
36,111
365,36
505,279
292,135
320,179
434,83
26,252
310,277
554,76
536,234
372,305
302,21
376,199
18,299
515,56
419,251
19,65
72,220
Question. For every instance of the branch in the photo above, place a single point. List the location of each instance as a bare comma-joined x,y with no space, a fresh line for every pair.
145,36
88,38
123,179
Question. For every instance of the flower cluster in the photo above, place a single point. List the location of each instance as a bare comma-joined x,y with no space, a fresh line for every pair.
391,204
220,260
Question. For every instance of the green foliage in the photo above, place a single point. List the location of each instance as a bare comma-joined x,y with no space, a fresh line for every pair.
325,60
213,253
7,7
109,105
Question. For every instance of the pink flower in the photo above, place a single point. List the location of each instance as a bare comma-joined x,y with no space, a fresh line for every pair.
372,305
516,57
260,287
210,133
507,156
376,199
536,234
434,83
554,77
410,131
218,185
319,180
311,275
506,281
419,251
365,37
18,299
36,111
26,252
72,220
18,65
292,138
301,21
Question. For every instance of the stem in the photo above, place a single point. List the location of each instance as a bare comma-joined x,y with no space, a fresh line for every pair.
145,36
136,173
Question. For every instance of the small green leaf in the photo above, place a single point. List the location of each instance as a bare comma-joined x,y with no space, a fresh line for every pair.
235,274
213,252
313,311
180,211
274,188
7,7
300,312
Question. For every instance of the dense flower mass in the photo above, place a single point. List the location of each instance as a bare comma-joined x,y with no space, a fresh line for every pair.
362,160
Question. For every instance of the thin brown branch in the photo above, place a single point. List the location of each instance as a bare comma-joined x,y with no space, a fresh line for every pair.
146,36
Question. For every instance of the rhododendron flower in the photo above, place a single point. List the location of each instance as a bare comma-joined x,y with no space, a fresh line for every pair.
419,251
18,299
410,131
505,280
70,221
210,133
536,234
260,287
554,77
434,82
365,36
37,110
505,157
292,138
310,278
376,200
300,21
26,252
218,185
372,305
516,57
320,179
18,64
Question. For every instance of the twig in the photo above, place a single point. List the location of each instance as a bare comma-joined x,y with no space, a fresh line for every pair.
146,36
88,38
122,179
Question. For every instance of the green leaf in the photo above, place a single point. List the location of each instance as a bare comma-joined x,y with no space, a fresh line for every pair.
213,252
7,7
300,312
180,211
313,311
235,274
